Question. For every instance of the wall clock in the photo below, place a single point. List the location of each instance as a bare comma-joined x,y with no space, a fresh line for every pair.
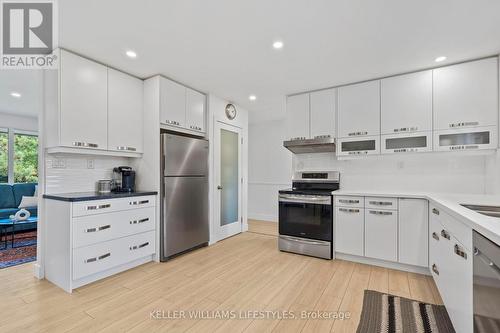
230,111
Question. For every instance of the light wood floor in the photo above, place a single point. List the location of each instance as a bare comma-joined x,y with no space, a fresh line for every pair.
244,272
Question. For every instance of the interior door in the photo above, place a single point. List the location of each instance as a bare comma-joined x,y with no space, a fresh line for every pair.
227,180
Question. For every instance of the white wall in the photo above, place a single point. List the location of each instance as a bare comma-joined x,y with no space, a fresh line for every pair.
18,122
269,169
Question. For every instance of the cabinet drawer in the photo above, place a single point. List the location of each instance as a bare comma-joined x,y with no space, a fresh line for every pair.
381,234
350,201
451,226
349,230
102,256
381,203
98,228
112,205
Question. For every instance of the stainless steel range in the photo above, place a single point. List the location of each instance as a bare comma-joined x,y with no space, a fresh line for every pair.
306,214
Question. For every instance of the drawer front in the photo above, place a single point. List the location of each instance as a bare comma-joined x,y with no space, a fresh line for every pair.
453,227
102,256
381,203
112,205
350,201
98,228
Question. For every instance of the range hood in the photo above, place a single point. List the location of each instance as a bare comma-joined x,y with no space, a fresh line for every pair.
322,144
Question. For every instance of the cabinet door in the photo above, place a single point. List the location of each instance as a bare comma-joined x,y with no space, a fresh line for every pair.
413,232
172,103
406,103
84,102
381,234
323,113
195,110
125,112
466,95
349,230
359,109
297,116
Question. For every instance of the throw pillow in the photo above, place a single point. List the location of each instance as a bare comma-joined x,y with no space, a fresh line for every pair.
28,202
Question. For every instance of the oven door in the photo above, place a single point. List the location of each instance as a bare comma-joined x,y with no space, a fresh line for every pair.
306,216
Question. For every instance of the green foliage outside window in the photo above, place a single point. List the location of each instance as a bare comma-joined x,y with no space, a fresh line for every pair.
4,158
25,158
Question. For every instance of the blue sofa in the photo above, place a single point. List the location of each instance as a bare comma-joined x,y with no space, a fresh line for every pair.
10,198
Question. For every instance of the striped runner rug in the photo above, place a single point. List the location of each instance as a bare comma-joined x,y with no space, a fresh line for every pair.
388,313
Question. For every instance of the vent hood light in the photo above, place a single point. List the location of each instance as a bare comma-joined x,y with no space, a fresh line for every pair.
322,144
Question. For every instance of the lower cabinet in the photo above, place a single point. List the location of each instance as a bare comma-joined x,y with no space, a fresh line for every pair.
451,267
349,230
413,231
381,234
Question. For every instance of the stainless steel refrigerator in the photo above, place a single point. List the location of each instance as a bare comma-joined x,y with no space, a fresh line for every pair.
184,220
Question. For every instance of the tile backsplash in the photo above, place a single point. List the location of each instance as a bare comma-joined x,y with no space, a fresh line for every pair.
78,173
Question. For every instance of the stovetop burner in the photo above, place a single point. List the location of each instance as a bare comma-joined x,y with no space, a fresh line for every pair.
314,183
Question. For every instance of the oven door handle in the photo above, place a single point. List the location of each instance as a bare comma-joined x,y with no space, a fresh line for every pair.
292,199
303,241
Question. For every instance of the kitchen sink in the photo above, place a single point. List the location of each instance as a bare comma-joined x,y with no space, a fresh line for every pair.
493,211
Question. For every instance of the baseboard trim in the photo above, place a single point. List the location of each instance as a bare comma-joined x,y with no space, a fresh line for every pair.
383,263
38,271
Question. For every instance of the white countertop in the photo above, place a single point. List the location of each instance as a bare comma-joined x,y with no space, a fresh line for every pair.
486,225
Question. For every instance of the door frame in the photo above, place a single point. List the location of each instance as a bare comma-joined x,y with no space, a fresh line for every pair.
232,229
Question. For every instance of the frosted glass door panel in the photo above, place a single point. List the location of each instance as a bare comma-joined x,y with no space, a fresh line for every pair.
229,177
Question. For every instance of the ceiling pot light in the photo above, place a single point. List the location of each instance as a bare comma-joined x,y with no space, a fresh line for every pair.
278,44
131,54
15,94
439,59
252,97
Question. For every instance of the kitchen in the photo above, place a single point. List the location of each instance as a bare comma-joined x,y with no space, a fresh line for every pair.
290,182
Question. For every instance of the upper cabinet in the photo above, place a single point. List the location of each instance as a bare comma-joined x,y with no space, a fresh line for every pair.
322,110
466,95
406,103
359,110
182,108
92,109
83,103
125,105
297,117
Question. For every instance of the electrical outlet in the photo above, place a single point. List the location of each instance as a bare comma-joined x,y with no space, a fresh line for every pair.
90,164
62,163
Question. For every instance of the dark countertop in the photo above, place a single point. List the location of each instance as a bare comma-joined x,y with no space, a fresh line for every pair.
87,196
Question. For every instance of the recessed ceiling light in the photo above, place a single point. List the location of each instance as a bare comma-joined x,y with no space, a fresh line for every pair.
131,54
439,59
278,44
15,94
252,97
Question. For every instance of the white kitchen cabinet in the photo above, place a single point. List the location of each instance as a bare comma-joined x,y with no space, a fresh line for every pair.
413,232
381,234
358,146
466,95
83,112
349,230
172,103
297,117
406,103
323,113
125,112
359,110
476,138
195,110
415,142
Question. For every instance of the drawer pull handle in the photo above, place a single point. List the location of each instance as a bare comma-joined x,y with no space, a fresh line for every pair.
348,201
347,210
139,221
381,203
141,202
96,207
91,230
136,247
85,144
126,148
460,252
435,236
104,227
435,211
445,234
357,133
94,259
376,212
434,269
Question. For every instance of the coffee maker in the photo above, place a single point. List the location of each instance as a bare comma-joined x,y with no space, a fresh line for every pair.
123,179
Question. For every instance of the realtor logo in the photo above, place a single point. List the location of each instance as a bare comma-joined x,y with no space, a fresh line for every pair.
28,34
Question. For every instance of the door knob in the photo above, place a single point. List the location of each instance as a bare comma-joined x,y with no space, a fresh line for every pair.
219,187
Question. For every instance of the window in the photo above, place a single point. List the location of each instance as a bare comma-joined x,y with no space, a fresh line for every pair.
18,156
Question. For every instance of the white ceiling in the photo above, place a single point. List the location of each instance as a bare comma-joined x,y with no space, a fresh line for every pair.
224,46
25,82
